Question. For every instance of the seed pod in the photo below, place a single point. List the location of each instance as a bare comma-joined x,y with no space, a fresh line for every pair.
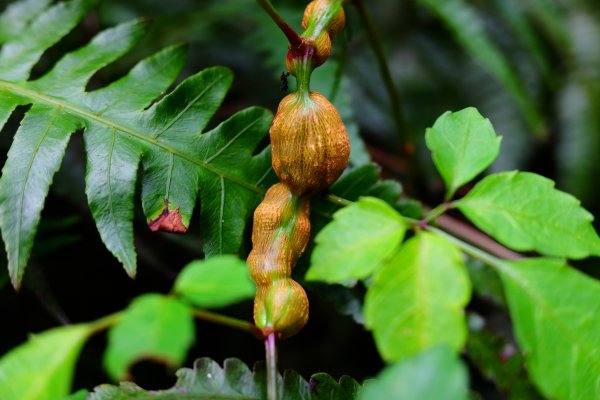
281,307
323,49
310,144
316,8
279,235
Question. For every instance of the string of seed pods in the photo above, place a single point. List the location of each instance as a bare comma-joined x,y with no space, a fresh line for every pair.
311,149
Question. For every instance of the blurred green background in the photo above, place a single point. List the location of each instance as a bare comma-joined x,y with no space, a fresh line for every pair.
531,66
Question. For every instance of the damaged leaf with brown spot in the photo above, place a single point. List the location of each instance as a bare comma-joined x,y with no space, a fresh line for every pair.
168,221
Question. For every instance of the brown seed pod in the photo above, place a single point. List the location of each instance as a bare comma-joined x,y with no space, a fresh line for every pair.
310,144
279,235
281,307
323,49
315,8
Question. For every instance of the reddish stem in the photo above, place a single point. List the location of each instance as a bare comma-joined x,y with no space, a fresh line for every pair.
294,39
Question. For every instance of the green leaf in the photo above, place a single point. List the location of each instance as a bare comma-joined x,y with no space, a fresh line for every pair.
153,326
433,374
215,282
208,381
360,237
124,124
18,15
469,31
523,211
463,144
79,395
554,310
42,368
417,299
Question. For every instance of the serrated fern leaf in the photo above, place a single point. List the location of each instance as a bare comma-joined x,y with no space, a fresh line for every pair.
208,380
124,126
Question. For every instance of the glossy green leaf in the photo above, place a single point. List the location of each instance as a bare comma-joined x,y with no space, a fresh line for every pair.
153,326
463,144
79,395
433,374
523,211
215,282
554,310
234,381
18,15
469,30
43,367
360,237
417,299
125,124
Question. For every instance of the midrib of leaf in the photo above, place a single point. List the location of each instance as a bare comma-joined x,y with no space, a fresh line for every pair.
546,310
31,161
463,150
91,116
221,211
110,203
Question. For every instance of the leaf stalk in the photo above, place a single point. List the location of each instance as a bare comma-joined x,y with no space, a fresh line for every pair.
271,355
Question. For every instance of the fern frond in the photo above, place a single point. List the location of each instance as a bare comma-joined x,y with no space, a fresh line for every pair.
123,127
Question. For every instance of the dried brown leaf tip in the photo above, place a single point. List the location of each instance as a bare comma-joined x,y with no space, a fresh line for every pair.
168,221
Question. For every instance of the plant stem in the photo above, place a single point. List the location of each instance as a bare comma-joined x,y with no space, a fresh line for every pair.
384,70
229,321
340,201
471,250
105,322
271,355
474,236
438,211
294,39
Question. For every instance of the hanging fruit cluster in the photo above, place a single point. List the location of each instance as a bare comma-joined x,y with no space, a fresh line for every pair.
310,149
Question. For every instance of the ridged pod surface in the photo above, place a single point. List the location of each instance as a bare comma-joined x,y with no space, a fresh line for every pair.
309,141
316,8
280,233
279,236
310,149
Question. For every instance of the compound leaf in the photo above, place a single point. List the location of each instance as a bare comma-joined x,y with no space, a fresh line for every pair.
417,299
43,367
555,309
215,282
234,381
433,374
153,326
358,240
125,124
462,144
525,212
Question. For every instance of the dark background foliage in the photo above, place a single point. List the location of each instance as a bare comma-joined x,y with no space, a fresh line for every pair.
550,47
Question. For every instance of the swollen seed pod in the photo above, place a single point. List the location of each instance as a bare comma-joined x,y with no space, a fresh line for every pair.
323,49
281,307
279,236
310,145
316,8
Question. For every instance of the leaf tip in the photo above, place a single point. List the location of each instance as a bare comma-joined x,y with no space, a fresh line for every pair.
168,221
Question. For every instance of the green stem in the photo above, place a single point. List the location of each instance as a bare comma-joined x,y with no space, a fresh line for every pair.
288,31
340,201
271,355
437,211
384,70
228,321
105,322
471,250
